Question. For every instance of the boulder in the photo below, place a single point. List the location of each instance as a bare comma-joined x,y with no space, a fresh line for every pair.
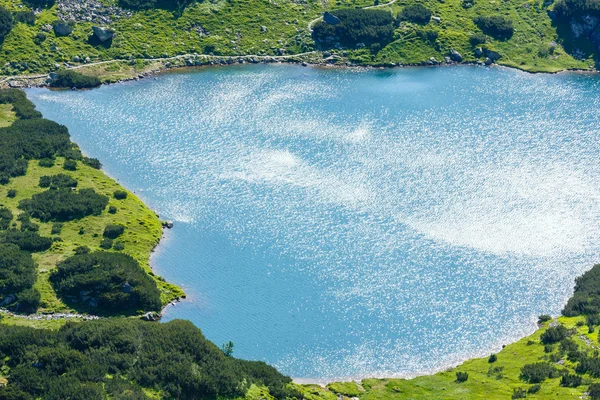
330,19
151,316
478,52
263,28
436,19
62,29
488,61
492,55
103,34
455,56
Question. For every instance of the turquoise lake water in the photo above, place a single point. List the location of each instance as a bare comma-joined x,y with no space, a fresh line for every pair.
344,224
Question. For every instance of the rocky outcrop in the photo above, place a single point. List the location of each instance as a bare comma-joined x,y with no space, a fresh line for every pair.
492,55
103,34
94,11
62,29
330,19
455,56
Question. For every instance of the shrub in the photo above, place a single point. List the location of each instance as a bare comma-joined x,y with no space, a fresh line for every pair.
416,13
5,217
462,377
25,17
58,181
567,345
586,298
533,389
73,79
39,38
356,26
594,391
548,348
120,194
519,393
64,204
29,300
118,246
570,380
70,165
477,39
6,22
26,240
112,209
56,228
538,372
11,193
428,35
46,162
23,108
106,243
113,231
544,318
82,250
18,269
496,26
493,358
554,334
116,280
589,365
92,162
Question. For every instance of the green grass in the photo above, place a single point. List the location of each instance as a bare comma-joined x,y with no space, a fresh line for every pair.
235,29
142,233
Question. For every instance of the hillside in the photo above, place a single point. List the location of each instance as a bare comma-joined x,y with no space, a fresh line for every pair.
145,36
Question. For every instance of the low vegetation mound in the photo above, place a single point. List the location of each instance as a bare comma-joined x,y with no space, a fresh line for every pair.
120,358
113,282
357,28
416,13
496,26
17,270
586,297
73,79
26,240
58,181
64,204
565,9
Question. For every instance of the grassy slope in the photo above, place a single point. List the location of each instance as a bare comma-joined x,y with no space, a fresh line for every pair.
481,384
235,29
142,233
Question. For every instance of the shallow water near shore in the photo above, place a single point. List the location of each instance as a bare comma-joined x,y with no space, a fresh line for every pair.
345,224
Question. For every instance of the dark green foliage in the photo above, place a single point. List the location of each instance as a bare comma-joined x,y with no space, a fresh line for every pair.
6,22
592,320
67,78
570,380
477,39
538,372
174,358
28,300
112,209
228,348
120,194
56,228
548,348
594,391
118,246
106,243
5,217
493,358
39,38
554,334
26,224
567,345
428,35
567,9
533,389
25,17
64,204
70,165
586,298
46,162
39,3
357,26
173,5
23,108
462,377
17,270
115,280
82,250
544,318
26,240
589,365
416,13
92,162
12,193
138,4
496,26
519,393
58,181
113,231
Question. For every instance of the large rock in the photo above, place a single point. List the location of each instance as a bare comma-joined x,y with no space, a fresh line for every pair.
62,29
103,34
492,55
330,18
455,56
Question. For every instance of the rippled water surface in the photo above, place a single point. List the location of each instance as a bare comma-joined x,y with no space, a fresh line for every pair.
340,223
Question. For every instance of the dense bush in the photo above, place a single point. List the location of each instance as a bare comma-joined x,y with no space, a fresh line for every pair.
477,39
6,22
120,194
64,204
538,372
554,334
566,9
356,26
589,365
17,270
462,376
416,13
22,107
586,298
11,193
46,162
544,318
25,17
58,181
70,165
92,162
28,300
5,217
570,380
26,240
594,391
112,209
106,243
493,358
496,26
116,358
113,231
73,79
173,5
114,280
